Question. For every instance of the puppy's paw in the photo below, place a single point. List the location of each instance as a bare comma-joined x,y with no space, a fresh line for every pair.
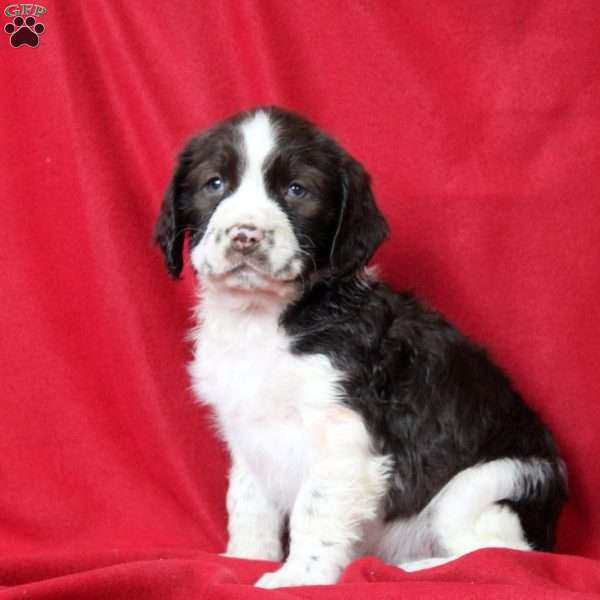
294,574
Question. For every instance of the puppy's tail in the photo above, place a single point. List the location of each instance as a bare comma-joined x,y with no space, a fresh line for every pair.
535,489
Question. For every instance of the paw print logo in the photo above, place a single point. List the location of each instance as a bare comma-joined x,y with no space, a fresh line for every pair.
24,32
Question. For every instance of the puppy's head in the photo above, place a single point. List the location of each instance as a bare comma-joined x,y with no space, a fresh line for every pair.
268,202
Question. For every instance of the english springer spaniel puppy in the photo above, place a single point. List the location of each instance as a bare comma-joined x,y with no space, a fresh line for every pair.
353,413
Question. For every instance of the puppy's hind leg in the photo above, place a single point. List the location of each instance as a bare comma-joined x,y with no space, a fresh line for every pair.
465,515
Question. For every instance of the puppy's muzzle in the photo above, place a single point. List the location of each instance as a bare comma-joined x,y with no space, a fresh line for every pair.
245,238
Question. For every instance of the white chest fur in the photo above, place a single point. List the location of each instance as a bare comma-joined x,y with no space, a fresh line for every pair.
272,406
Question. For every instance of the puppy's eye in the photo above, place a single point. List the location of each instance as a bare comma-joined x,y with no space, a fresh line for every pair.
214,184
295,190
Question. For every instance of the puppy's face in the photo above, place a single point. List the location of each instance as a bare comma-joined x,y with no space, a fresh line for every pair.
269,203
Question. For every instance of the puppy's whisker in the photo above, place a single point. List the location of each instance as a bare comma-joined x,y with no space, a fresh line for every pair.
186,230
301,252
304,235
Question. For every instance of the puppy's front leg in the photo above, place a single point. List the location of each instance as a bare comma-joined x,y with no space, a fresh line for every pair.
341,495
254,523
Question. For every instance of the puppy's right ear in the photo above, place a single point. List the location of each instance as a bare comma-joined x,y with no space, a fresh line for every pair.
170,229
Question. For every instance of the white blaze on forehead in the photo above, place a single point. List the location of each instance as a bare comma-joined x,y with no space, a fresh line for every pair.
259,141
250,202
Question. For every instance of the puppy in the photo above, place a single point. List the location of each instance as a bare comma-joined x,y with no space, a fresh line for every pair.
352,412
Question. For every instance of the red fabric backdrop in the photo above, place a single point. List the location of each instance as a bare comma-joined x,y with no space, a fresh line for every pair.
479,122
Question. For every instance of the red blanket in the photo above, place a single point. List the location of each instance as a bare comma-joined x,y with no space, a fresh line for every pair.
480,124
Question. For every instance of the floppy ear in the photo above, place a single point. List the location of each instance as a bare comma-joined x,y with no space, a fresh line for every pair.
169,232
361,227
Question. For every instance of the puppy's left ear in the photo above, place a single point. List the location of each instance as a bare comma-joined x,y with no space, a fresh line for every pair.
361,226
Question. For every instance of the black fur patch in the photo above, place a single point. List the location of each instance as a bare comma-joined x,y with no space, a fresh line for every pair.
430,398
188,203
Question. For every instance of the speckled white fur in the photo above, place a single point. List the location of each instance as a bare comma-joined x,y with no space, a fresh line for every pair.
295,449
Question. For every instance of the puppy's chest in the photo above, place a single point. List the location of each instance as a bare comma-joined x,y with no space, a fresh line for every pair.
271,404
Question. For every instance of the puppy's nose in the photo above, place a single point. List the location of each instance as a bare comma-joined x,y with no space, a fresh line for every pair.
245,238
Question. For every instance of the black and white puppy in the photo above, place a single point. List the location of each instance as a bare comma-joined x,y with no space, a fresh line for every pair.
352,410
